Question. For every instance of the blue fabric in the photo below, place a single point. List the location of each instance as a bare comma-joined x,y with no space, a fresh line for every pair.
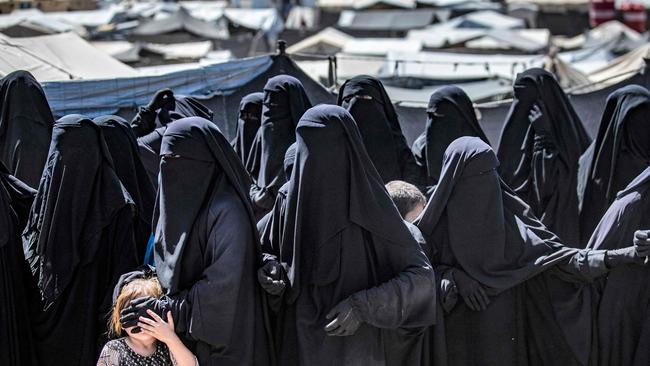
148,257
101,97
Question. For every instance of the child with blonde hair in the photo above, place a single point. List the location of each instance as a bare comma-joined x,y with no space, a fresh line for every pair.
152,343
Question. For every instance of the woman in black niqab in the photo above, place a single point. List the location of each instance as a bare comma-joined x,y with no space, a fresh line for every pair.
358,262
207,249
78,241
248,122
368,103
285,101
620,152
450,115
541,143
522,295
123,147
17,291
623,317
25,126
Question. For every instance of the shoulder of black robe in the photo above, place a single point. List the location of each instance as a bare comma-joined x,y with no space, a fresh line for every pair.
79,195
538,86
599,165
247,128
450,115
123,147
379,126
492,233
20,196
318,188
25,126
285,101
205,154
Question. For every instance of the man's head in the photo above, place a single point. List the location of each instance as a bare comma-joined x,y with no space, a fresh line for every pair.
409,200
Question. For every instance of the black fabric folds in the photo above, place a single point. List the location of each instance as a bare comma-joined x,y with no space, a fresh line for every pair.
207,249
623,318
123,147
17,292
358,248
25,126
620,152
540,312
78,241
250,116
539,160
285,101
368,103
450,115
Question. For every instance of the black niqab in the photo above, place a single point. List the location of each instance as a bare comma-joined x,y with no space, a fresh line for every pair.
368,103
359,248
285,101
250,115
450,115
620,152
539,160
25,126
78,241
207,249
123,147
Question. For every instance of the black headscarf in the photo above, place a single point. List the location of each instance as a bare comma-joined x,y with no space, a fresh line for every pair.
540,160
78,241
207,249
250,115
623,322
17,295
367,101
450,115
123,147
25,126
620,152
358,247
285,101
184,106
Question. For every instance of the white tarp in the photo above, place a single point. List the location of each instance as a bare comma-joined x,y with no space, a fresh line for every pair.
178,51
328,38
380,46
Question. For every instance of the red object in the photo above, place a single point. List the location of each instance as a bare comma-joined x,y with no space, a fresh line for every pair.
601,11
634,16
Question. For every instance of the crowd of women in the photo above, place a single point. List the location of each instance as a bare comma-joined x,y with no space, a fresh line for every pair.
285,247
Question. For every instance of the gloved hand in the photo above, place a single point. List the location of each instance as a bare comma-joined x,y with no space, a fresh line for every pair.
346,320
471,291
138,307
448,292
623,256
162,98
535,113
271,278
642,243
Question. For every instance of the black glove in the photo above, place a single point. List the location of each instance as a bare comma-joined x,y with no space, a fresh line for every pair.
534,114
623,256
271,278
346,321
471,291
448,292
162,98
130,316
642,243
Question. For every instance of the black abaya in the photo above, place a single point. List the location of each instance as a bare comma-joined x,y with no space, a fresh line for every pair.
620,152
358,250
450,115
17,291
207,249
123,147
539,159
285,101
539,314
623,317
248,122
368,103
78,241
25,126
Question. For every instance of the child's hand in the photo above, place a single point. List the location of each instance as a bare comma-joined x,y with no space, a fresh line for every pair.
158,328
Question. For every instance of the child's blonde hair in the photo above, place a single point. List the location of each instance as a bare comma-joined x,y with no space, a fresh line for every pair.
132,290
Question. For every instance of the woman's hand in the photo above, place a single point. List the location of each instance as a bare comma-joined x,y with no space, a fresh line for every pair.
158,328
